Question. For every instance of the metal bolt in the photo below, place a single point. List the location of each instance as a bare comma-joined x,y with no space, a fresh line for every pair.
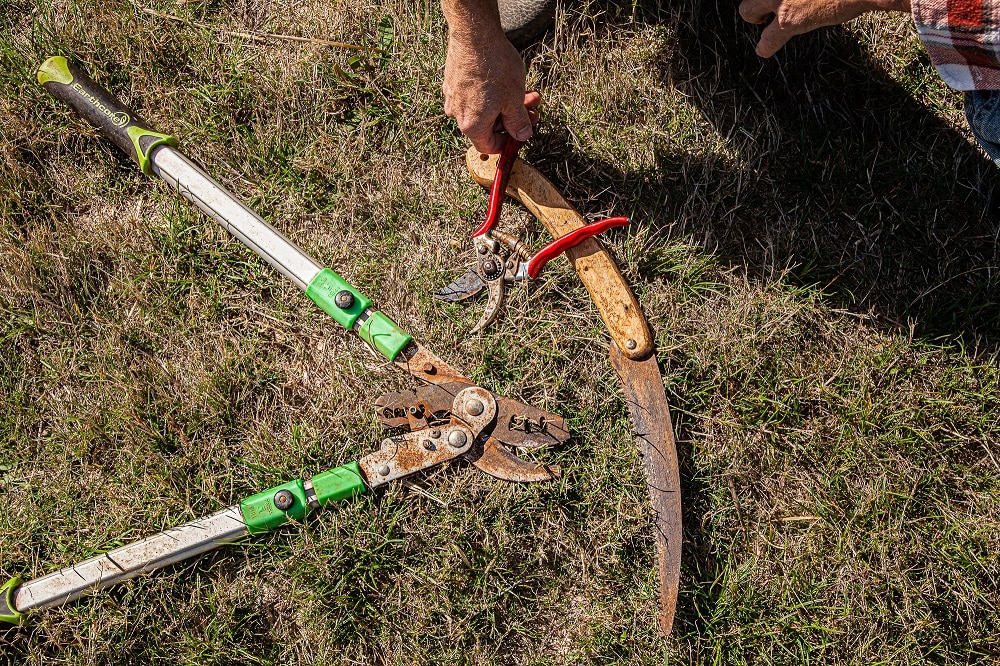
474,407
344,299
383,470
630,343
489,266
457,438
435,433
428,444
283,500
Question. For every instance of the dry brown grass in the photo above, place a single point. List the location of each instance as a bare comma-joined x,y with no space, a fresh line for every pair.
815,247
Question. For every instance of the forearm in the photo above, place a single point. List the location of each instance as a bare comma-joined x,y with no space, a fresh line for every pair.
472,21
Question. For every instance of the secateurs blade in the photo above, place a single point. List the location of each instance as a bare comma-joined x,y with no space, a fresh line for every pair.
503,258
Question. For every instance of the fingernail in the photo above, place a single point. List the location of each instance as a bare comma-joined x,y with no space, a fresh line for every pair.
523,134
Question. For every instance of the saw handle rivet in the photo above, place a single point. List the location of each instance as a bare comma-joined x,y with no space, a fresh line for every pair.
383,470
435,433
630,343
428,444
457,438
344,299
474,407
283,500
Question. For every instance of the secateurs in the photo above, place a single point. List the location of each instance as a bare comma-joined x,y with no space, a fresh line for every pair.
502,257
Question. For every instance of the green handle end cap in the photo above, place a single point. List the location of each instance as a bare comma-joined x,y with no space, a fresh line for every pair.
323,291
384,335
144,141
54,69
338,484
261,514
8,612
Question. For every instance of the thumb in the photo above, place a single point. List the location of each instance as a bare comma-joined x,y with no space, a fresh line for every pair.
517,122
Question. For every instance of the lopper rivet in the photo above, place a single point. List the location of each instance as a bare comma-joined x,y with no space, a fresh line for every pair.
483,249
474,407
457,438
344,299
630,343
383,470
283,500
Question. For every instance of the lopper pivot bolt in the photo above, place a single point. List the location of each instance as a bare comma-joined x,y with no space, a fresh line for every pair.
503,258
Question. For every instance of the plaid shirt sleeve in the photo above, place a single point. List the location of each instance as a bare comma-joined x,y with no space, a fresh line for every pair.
963,40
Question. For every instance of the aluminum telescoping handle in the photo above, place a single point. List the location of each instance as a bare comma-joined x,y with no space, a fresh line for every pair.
126,562
155,154
211,198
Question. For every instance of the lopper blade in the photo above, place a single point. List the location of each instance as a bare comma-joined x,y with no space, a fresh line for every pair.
492,458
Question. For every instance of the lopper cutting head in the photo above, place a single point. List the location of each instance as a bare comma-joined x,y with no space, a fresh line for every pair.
428,409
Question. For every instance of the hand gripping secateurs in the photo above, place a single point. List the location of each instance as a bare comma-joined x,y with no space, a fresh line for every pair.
503,258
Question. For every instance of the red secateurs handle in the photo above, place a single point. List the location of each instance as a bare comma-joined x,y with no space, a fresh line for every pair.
499,188
572,239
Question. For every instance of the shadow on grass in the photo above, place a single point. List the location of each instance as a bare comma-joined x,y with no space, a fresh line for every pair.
839,175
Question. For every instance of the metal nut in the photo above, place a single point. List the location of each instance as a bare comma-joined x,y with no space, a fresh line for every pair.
457,438
283,500
474,407
383,470
344,299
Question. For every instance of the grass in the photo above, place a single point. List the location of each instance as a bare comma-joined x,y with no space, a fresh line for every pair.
815,247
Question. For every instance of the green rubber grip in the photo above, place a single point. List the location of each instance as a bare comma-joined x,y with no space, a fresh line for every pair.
70,85
382,333
8,612
323,291
338,484
261,514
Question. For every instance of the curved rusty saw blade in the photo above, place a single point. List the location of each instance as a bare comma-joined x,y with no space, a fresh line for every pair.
654,433
633,355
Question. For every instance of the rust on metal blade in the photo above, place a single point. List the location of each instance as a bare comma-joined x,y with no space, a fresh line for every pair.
647,401
425,365
498,462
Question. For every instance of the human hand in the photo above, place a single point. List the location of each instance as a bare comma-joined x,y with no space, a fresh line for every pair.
484,91
789,18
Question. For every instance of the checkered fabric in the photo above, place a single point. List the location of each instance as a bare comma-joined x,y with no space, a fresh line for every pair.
963,40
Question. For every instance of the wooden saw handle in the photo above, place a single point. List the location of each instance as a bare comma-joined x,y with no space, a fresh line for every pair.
614,299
